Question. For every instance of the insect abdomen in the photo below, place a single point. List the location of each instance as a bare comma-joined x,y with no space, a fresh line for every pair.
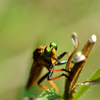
34,74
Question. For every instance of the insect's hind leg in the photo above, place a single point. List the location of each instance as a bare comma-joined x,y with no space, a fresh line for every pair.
50,82
41,79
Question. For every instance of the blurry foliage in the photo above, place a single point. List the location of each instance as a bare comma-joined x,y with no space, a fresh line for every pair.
26,24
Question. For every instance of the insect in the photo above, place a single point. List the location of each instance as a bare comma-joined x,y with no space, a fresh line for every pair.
45,56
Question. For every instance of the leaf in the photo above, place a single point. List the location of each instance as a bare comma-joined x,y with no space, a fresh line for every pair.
83,89
50,94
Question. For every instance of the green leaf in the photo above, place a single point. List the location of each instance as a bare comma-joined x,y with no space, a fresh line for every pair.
50,94
83,89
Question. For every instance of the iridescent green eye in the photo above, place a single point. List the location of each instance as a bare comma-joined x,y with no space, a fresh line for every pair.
54,45
47,51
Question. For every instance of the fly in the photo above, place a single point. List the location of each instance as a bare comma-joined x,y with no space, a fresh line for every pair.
45,56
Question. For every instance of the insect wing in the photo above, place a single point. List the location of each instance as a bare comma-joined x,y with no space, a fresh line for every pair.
35,72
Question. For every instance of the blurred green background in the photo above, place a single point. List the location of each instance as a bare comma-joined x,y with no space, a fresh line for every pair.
27,24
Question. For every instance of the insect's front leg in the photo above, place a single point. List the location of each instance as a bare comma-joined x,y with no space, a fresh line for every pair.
65,61
62,62
63,54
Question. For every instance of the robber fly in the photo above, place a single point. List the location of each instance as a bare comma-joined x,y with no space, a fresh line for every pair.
45,56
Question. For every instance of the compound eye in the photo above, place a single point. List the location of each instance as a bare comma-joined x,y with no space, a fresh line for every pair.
47,51
54,45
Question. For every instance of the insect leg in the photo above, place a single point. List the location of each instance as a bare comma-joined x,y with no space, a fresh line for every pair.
58,77
52,70
63,62
41,79
56,70
50,73
50,82
60,56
